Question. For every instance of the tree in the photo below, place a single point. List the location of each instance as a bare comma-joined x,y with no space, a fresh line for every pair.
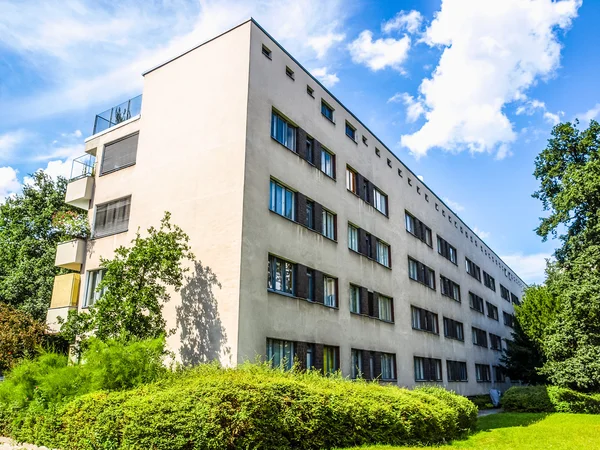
135,287
537,312
523,358
20,336
29,234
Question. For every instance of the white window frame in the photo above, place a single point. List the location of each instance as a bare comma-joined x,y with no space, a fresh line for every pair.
328,224
380,201
354,299
329,292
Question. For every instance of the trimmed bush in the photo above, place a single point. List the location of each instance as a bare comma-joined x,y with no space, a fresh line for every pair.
253,406
550,399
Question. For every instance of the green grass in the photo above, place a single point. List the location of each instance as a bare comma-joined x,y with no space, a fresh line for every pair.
528,431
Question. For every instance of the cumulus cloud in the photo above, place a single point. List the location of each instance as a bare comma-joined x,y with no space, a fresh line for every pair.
531,268
404,21
493,51
10,141
414,108
530,107
322,44
328,79
9,183
590,114
380,53
551,118
482,234
457,207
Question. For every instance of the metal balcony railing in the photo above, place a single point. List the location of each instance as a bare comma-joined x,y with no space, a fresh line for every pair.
83,166
118,114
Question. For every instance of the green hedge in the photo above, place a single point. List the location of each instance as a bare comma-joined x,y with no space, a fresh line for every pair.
550,399
251,407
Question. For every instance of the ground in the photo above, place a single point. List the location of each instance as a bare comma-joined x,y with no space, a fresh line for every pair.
527,431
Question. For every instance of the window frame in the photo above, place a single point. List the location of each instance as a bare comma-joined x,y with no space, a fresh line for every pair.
418,229
383,248
380,201
353,229
351,180
478,373
428,361
271,272
95,233
352,135
91,293
323,164
430,318
289,130
273,204
389,364
329,225
495,316
446,249
329,281
457,366
447,287
290,73
327,107
478,335
478,300
385,299
473,269
422,269
267,52
451,324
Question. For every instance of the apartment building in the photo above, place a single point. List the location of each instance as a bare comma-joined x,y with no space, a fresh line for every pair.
314,242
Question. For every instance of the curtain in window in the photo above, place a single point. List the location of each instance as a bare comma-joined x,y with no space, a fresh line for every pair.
112,217
329,359
327,163
352,238
280,353
330,294
383,253
354,299
387,367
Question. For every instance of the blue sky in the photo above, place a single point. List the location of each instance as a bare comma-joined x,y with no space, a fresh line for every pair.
465,92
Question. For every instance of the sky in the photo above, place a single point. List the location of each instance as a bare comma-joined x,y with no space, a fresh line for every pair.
464,92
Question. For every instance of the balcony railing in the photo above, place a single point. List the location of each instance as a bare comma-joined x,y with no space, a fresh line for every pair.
83,166
118,114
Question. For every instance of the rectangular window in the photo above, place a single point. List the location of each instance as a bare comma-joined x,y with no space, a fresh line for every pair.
473,269
310,214
354,299
266,51
489,281
283,132
280,353
386,308
92,294
420,272
352,237
453,329
310,356
310,91
350,131
112,217
329,225
418,229
495,342
499,376
289,72
424,320
351,180
446,250
476,302
356,369
326,110
310,275
310,146
482,373
457,370
492,311
330,289
515,299
330,359
428,369
388,366
119,154
383,253
281,275
327,162
479,337
282,200
380,201
509,319
449,288
504,293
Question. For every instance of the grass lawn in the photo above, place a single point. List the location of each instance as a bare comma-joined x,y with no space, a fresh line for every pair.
515,431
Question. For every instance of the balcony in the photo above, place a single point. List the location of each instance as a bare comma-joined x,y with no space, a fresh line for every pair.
118,114
65,294
81,183
70,255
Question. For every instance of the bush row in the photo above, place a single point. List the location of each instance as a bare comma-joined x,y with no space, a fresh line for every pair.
550,399
251,406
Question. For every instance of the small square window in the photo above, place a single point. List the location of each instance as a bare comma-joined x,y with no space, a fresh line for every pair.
266,51
364,139
326,110
289,72
310,91
377,152
350,131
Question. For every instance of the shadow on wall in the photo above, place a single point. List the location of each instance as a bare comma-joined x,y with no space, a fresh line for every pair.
202,334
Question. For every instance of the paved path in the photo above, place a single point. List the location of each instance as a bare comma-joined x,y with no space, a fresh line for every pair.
482,412
9,444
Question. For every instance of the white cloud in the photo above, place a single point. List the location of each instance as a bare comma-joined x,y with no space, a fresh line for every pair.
9,183
404,21
328,79
493,51
530,107
420,177
503,152
322,44
380,53
482,234
531,268
457,207
551,118
414,108
9,142
590,114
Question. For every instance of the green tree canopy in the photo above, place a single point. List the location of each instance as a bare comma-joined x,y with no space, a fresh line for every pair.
537,312
523,358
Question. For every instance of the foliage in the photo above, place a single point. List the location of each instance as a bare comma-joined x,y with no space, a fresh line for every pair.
537,312
20,336
481,401
251,407
71,224
136,286
523,358
550,399
28,242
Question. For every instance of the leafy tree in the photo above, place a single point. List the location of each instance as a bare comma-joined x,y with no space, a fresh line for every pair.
29,234
136,287
537,312
523,358
20,336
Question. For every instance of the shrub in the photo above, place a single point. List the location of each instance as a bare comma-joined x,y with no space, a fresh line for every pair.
550,399
20,335
482,401
467,411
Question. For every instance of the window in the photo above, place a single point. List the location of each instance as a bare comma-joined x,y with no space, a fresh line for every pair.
330,359
489,281
476,302
482,373
289,72
380,201
330,289
283,132
368,244
449,288
281,275
92,294
351,180
119,154
366,193
310,356
266,51
424,320
386,308
329,225
383,253
310,214
479,337
473,269
282,200
310,276
504,293
446,250
509,319
428,369
356,369
418,229
499,375
310,91
280,353
453,329
457,370
326,110
352,237
112,217
495,342
327,162
515,299
350,131
420,272
354,299
388,366
310,146
492,311
364,139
